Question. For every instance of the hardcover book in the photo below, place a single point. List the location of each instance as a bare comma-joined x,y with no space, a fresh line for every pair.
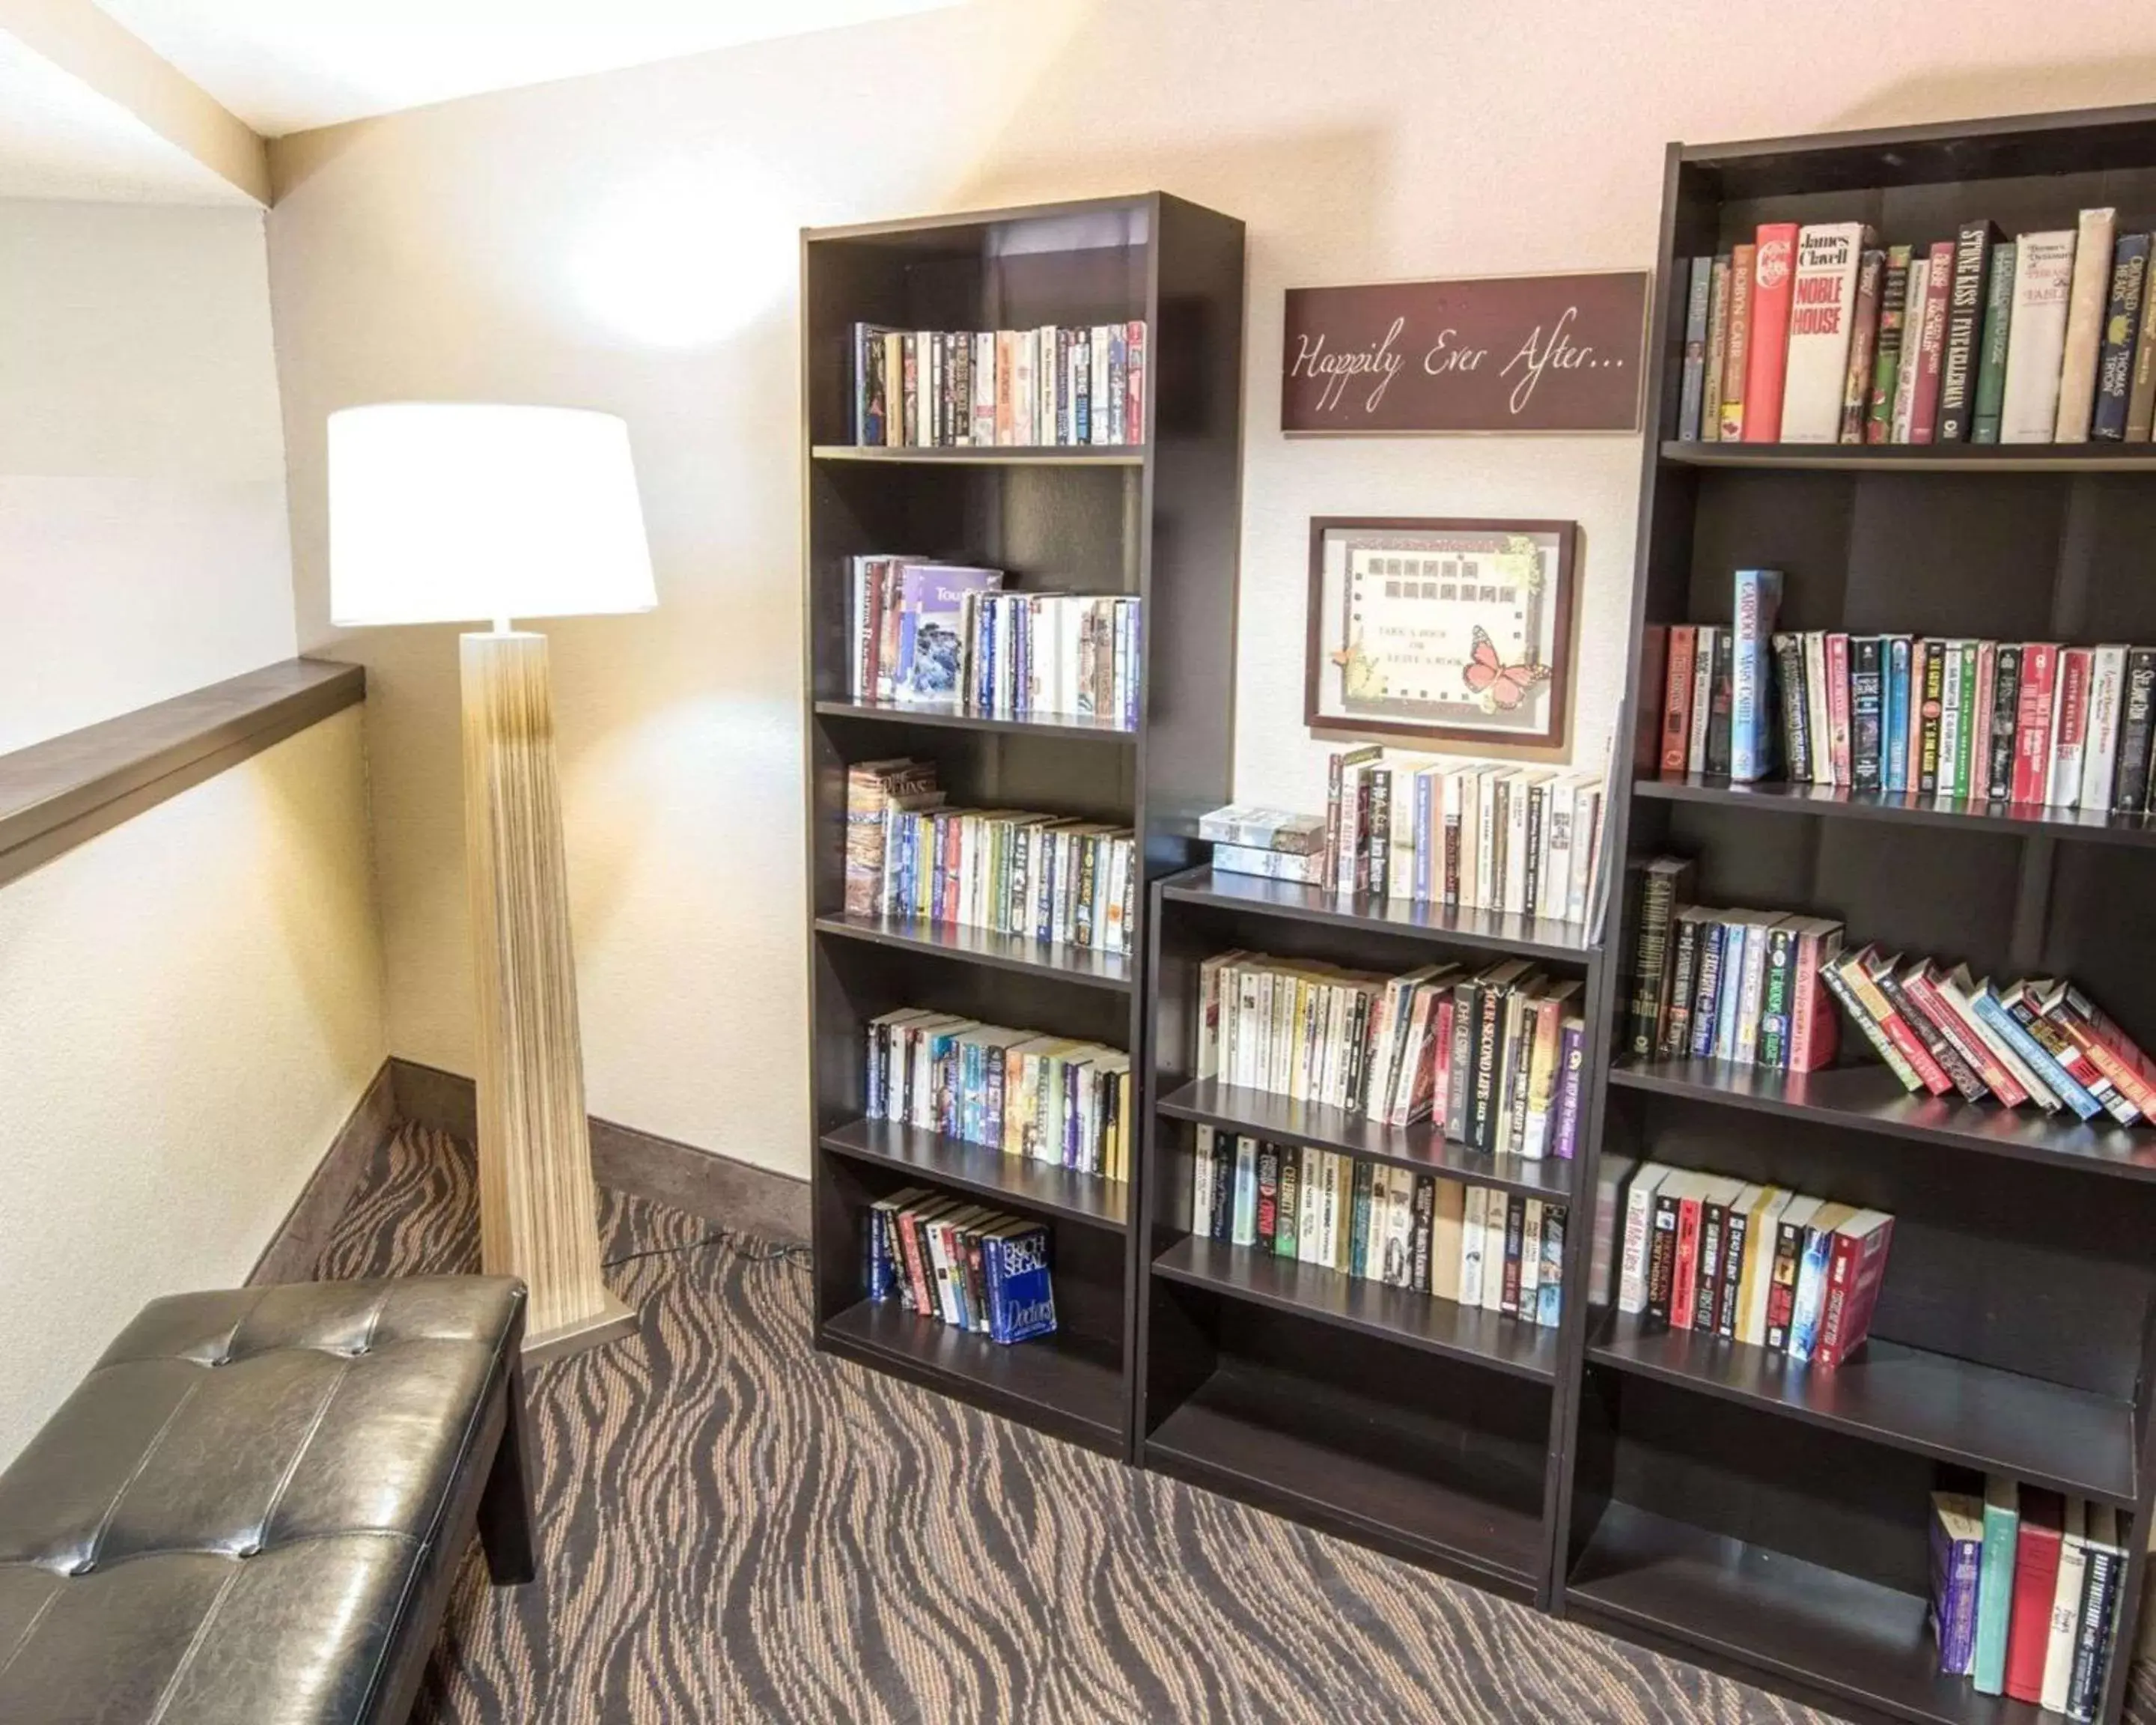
1886,357
1957,1536
1863,341
1767,347
2036,342
2088,297
1690,392
1991,359
1737,362
1994,1587
2121,327
1821,313
1751,753
1932,344
1971,258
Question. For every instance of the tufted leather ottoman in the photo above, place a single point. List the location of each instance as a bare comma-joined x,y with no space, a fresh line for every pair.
252,1511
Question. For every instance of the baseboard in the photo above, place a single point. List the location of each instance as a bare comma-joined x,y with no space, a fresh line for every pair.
734,1194
298,1242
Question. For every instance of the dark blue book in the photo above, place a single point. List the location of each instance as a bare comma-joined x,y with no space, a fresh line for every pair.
1866,712
2121,324
1021,1294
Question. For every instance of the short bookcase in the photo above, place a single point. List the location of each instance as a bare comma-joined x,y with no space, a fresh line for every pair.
1773,1522
1159,519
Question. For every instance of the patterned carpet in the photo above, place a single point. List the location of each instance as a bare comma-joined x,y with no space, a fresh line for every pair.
734,1528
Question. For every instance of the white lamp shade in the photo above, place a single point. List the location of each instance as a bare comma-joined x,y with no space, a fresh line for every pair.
453,512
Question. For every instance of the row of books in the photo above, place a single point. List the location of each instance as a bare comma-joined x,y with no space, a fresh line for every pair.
1053,386
2032,723
2026,1589
1817,334
1378,1223
949,635
961,1263
1051,1099
1747,986
1757,1265
1493,1057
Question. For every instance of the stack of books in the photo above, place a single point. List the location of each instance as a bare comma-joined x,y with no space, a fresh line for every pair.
1474,835
1818,335
1378,1223
1045,877
2026,1586
1049,1099
961,1263
949,635
1051,387
1750,1263
1727,985
2033,723
1494,1056
1271,843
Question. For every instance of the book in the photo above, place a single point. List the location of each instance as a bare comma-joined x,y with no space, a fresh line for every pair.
2062,781
2130,771
1886,348
2141,394
1797,762
1677,699
1751,753
1821,316
1895,718
1994,1586
2035,1580
1767,345
1691,390
2106,707
1737,362
1856,1266
1663,881
1991,358
1721,694
2066,1616
2105,1560
1808,1308
1866,701
1262,828
1931,343
1717,350
1956,1543
2036,345
2122,327
2033,720
2088,294
1965,305
1863,341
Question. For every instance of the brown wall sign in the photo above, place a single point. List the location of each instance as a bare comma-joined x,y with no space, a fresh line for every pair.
1490,353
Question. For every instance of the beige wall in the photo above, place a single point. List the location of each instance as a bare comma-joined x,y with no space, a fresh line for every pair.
190,1004
143,544
627,242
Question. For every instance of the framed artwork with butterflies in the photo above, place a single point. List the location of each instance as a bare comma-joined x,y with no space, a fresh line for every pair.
1447,630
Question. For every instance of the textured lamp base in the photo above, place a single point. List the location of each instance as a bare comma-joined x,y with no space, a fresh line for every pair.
538,1213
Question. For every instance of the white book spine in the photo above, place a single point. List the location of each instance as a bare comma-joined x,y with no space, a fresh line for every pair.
1245,1225
1817,713
1493,1251
1400,834
2037,337
1702,699
2065,1609
2105,704
1753,995
1560,809
1470,1246
1953,710
1912,325
1638,1233
1516,843
2086,305
1486,884
2062,788
1823,305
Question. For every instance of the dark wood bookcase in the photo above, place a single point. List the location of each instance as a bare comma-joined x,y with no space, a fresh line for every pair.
1410,1423
1160,519
1769,1522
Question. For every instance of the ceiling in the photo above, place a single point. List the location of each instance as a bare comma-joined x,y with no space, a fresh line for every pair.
60,138
289,65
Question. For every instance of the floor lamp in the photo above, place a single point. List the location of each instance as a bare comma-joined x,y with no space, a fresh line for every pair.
453,513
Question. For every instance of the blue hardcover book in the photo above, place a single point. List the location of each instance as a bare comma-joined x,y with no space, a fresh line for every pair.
1713,939
1957,1563
1995,1013
1752,732
1897,715
1994,1587
1021,1295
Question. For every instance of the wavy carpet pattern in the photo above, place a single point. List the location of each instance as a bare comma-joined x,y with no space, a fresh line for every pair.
734,1528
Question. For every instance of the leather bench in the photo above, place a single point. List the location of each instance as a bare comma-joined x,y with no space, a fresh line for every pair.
253,1510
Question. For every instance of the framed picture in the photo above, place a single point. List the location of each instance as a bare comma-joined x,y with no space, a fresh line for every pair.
1440,629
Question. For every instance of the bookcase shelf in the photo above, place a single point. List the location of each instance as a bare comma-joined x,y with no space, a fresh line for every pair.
1236,1108
1955,1410
2029,819
1036,1186
1411,1319
1087,965
1773,1522
1496,932
1159,522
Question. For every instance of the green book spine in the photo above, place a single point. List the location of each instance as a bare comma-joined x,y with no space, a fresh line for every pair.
1886,351
1995,1584
1965,750
1290,1205
1991,356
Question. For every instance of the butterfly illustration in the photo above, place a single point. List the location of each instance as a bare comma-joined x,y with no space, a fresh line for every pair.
1501,686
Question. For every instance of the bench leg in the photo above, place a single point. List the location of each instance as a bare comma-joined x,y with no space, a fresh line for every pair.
506,1522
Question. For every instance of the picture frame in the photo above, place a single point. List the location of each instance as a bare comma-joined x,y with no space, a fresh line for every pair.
1397,647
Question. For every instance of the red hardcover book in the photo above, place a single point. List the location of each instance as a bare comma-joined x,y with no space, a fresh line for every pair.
1766,356
1677,699
2032,721
1685,1273
1856,1266
1837,706
1815,1030
2035,1581
1932,344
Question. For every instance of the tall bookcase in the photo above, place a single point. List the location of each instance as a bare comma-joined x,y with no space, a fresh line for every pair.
1772,1522
1159,519
1409,1423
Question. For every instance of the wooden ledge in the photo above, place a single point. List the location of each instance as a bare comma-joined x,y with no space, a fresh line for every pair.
55,794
